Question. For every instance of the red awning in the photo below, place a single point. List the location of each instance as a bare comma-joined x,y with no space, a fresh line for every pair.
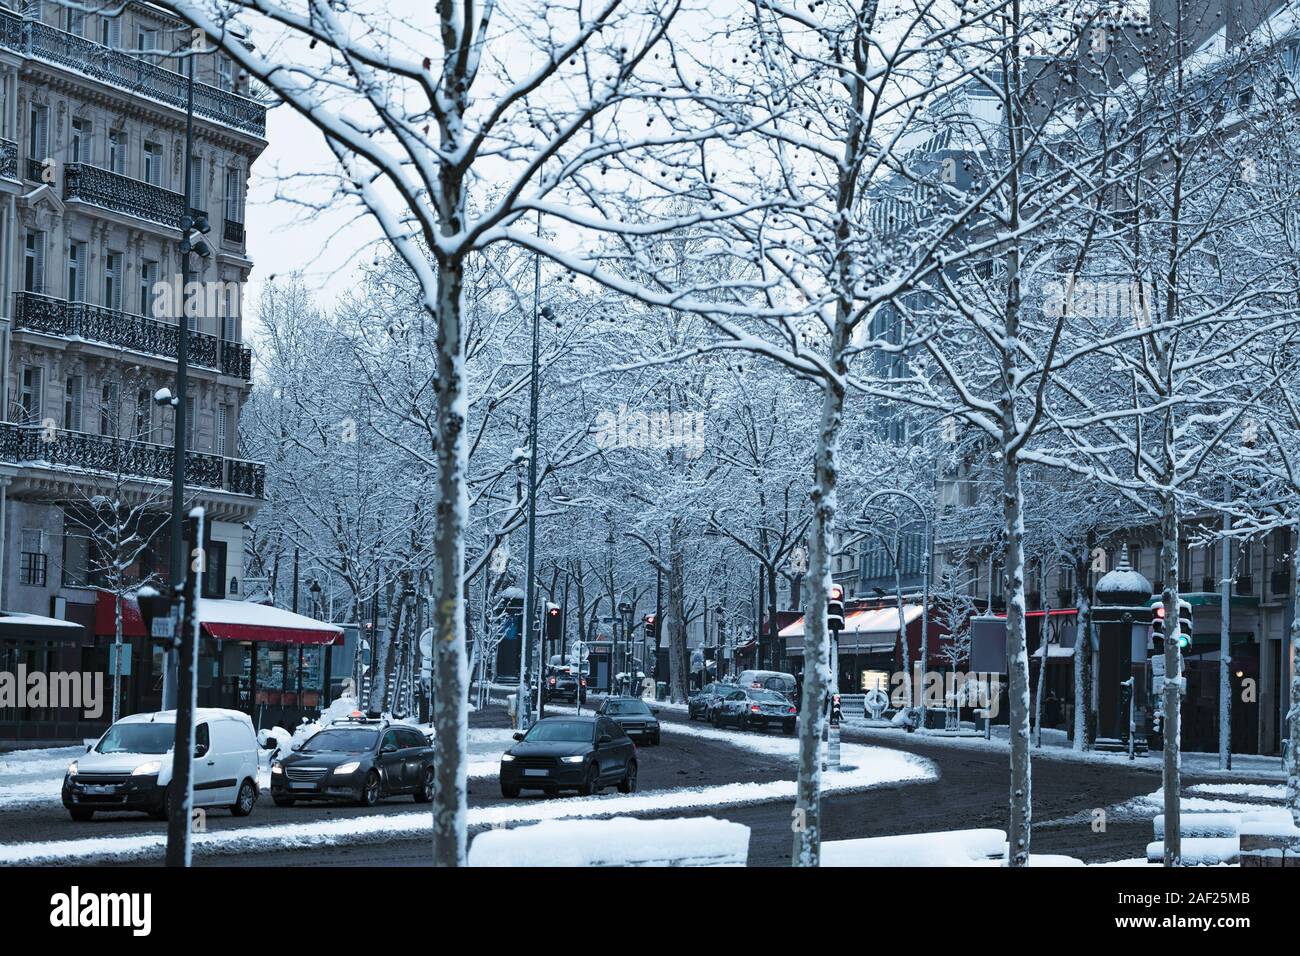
227,621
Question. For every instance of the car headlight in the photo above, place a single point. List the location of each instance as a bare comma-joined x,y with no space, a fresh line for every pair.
72,769
147,769
352,766
506,758
277,768
576,759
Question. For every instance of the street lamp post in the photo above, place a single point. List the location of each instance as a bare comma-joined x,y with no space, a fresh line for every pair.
189,243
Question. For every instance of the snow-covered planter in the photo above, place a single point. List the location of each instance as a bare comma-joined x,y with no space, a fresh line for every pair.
950,848
622,841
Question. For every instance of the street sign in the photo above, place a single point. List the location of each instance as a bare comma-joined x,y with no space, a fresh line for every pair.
163,628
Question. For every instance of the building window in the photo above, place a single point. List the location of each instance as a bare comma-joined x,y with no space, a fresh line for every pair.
153,163
143,415
34,263
79,146
214,574
38,134
148,279
113,281
117,151
223,426
1135,558
72,403
29,396
226,74
196,183
146,40
76,559
110,32
234,194
76,271
32,558
189,423
74,21
109,412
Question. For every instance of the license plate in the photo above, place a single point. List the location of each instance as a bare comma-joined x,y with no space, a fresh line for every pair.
302,786
99,789
535,773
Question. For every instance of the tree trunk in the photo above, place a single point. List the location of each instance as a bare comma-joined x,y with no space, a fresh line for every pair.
678,659
1172,769
1017,665
1293,715
773,627
450,712
816,649
1082,656
1044,632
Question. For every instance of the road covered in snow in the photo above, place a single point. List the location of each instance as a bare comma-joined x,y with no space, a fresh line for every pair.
888,784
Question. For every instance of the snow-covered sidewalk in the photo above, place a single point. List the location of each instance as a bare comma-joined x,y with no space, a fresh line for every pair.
1056,746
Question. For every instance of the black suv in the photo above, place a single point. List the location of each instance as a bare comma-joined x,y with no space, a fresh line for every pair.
567,753
637,719
356,759
563,684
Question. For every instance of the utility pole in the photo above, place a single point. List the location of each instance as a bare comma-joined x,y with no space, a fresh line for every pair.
1225,647
180,798
181,411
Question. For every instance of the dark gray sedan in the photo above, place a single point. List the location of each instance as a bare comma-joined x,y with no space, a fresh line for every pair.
634,716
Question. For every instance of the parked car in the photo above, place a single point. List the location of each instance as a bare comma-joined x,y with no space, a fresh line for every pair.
701,703
130,766
776,681
748,708
637,719
569,753
563,684
356,759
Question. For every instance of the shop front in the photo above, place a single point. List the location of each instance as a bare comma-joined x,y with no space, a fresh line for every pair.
267,662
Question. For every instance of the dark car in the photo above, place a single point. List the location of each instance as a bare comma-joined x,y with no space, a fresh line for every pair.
563,684
747,708
569,753
778,681
358,760
634,716
701,703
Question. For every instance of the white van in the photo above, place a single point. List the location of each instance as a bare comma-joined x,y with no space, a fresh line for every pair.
130,767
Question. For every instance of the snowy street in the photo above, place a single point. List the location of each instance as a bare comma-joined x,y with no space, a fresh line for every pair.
696,772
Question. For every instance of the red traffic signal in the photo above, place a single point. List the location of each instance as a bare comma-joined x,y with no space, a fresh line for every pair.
835,608
651,628
554,626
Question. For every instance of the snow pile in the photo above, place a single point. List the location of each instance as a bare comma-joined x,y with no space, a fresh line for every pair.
948,848
1201,851
621,841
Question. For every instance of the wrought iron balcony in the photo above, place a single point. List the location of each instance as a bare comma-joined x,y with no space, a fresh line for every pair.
121,194
51,316
137,75
59,448
234,231
8,158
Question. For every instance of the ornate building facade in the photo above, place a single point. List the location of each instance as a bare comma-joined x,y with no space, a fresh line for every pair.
92,134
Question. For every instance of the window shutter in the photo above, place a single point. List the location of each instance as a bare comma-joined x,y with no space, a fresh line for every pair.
38,263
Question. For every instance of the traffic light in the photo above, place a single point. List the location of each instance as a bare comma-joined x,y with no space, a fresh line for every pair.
554,627
1184,624
835,609
651,630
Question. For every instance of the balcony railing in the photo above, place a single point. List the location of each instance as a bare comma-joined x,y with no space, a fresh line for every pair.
61,448
51,316
8,158
234,231
120,193
132,73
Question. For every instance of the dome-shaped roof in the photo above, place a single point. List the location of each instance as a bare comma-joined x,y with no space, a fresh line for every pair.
1122,586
